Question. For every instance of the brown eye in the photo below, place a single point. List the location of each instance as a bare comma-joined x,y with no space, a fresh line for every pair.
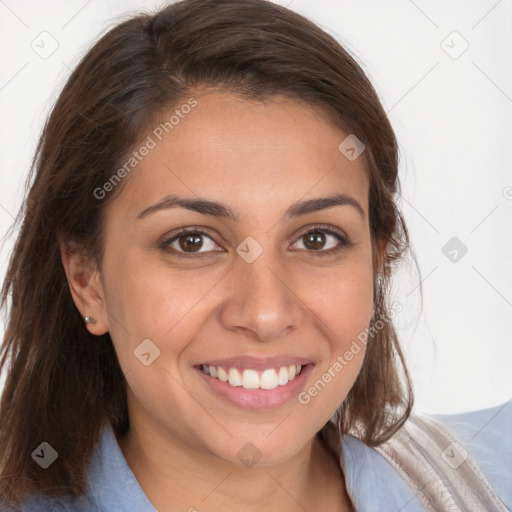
190,242
322,240
314,240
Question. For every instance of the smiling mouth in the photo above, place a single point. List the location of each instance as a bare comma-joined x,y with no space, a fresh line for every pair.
252,379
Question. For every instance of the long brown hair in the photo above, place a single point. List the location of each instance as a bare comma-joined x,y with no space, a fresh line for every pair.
62,383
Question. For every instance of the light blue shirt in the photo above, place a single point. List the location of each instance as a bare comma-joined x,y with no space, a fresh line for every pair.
372,483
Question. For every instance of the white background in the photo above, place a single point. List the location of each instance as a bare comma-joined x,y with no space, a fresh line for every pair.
452,117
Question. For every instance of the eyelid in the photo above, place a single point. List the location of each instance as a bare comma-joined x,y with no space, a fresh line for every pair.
323,227
343,240
170,238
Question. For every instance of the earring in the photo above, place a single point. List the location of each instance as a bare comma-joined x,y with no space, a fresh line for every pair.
89,320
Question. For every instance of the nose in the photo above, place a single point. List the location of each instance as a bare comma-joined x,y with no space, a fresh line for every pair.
262,303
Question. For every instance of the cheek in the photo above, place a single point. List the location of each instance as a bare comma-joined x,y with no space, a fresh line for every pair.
338,370
343,301
147,301
343,305
157,314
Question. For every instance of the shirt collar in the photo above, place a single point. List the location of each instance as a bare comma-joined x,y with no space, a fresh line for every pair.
112,486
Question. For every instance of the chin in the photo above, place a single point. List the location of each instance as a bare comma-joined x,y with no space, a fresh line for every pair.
258,447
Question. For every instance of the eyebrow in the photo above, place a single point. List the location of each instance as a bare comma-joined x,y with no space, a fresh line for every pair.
215,209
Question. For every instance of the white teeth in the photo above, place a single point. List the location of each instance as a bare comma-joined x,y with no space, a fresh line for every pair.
282,376
268,379
251,379
222,375
235,379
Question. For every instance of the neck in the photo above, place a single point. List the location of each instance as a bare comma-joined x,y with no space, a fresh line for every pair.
178,476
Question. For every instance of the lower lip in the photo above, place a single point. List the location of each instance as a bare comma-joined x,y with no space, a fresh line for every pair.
258,399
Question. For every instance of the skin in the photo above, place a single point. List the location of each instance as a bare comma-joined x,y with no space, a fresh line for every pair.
259,159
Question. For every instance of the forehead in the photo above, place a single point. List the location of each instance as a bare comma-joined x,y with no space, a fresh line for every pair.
243,153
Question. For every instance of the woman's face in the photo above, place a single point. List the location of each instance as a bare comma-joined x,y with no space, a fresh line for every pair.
255,292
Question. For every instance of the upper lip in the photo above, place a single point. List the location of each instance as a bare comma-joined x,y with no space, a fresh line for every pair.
257,363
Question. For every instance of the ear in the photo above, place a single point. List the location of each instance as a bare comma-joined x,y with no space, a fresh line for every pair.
86,288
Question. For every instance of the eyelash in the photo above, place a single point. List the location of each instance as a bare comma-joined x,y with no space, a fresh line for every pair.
343,241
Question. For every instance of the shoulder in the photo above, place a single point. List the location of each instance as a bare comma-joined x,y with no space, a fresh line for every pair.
486,436
456,459
111,486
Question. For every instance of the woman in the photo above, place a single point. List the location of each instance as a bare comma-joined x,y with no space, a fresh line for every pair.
199,311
